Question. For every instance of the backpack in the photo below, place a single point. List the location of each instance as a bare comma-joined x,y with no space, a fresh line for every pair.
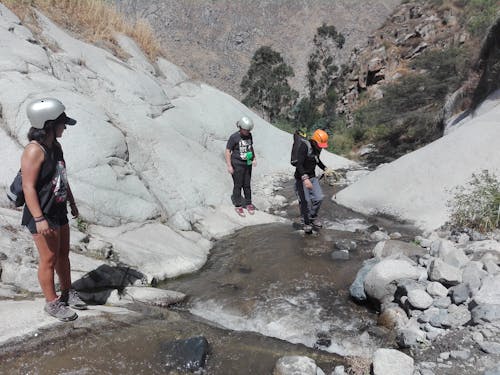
15,192
298,139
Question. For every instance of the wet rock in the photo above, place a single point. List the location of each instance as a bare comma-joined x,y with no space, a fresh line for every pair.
395,235
292,365
357,289
189,354
340,255
392,362
439,319
339,370
444,273
491,266
423,242
379,236
345,245
390,247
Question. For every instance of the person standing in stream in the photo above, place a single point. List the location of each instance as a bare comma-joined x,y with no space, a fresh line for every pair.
240,158
306,183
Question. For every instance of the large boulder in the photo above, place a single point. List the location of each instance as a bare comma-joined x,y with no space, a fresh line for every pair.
379,282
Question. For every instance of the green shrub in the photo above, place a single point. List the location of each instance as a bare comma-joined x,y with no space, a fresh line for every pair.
479,15
477,205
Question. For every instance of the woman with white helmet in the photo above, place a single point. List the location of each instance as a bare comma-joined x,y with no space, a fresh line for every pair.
47,193
240,158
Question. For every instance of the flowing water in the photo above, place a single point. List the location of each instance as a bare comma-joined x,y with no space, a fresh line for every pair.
266,291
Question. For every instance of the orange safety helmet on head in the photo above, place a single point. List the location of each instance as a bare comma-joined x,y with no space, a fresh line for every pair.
321,138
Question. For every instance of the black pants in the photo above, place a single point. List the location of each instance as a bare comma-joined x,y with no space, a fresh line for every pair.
241,179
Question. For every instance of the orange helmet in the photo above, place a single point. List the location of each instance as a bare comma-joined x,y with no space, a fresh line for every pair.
321,138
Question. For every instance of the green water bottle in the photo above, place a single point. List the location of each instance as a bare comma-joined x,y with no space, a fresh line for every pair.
249,157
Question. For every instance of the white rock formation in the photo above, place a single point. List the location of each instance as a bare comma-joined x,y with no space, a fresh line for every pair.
417,186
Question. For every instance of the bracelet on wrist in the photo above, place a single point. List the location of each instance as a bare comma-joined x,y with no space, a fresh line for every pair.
39,219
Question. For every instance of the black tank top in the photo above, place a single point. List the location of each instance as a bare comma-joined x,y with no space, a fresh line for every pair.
52,188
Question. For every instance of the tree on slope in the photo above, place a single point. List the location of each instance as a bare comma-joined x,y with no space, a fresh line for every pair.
265,85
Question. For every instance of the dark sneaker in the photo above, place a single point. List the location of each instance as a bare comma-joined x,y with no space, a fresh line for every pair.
317,223
73,300
59,310
239,211
308,228
251,209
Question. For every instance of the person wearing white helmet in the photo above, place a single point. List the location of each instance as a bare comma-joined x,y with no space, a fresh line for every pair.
47,193
240,158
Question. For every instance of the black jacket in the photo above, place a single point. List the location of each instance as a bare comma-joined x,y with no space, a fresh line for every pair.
306,164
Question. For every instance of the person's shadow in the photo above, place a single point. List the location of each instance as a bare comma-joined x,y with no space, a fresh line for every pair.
96,286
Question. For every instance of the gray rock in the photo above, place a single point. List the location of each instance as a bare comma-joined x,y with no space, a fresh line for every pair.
419,299
392,362
460,354
452,255
439,319
392,317
442,302
444,273
458,316
410,337
491,266
423,242
459,293
472,274
379,280
426,315
437,289
490,347
493,371
485,313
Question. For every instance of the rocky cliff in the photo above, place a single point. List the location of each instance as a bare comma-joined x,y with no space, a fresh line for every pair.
215,40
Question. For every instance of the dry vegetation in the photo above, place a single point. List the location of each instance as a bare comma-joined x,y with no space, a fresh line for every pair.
94,21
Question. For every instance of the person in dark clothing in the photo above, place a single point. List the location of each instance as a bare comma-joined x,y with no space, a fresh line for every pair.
47,193
240,158
306,183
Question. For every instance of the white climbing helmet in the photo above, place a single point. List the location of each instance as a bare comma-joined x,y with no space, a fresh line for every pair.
41,110
245,123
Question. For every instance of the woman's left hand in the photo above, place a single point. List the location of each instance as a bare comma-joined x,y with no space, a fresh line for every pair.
74,210
254,163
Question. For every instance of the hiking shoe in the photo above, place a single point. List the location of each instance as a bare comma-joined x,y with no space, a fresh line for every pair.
59,310
73,300
307,228
239,211
251,209
317,223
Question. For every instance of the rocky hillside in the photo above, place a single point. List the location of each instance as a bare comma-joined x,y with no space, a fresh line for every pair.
215,40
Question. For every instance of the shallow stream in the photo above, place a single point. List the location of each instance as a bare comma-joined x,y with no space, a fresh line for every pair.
266,291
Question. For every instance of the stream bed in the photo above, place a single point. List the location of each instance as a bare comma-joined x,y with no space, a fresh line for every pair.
266,291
